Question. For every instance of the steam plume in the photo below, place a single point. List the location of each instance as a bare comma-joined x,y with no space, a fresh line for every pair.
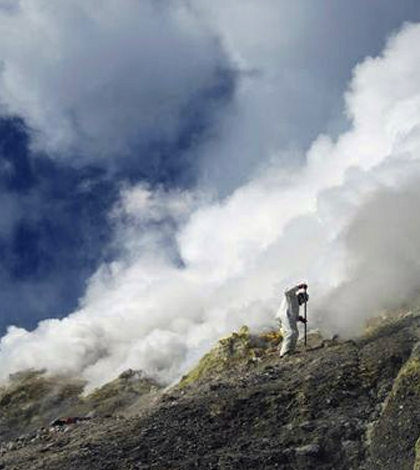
192,268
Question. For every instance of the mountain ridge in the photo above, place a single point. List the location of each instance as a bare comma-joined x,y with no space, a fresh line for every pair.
338,405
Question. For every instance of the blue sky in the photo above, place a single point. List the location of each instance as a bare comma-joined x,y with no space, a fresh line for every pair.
144,101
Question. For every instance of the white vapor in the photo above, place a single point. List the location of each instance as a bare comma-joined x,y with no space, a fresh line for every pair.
192,269
296,59
96,79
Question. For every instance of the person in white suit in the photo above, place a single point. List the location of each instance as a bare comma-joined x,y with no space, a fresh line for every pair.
288,314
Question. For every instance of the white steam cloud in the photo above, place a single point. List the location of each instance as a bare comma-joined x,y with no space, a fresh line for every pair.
193,269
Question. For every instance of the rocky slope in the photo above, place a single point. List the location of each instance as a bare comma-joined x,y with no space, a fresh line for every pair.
33,400
336,405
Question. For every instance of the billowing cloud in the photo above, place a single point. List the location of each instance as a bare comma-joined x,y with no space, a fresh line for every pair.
383,267
192,269
95,79
296,58
136,85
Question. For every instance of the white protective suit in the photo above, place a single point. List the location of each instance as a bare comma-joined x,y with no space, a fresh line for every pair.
288,314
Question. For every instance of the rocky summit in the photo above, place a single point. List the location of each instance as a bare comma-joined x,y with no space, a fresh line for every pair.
333,405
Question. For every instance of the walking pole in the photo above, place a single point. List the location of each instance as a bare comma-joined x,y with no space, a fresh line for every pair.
306,320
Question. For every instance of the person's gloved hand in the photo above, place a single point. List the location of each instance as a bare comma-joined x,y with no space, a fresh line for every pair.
303,320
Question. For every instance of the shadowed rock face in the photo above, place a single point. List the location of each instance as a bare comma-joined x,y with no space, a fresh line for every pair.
337,405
